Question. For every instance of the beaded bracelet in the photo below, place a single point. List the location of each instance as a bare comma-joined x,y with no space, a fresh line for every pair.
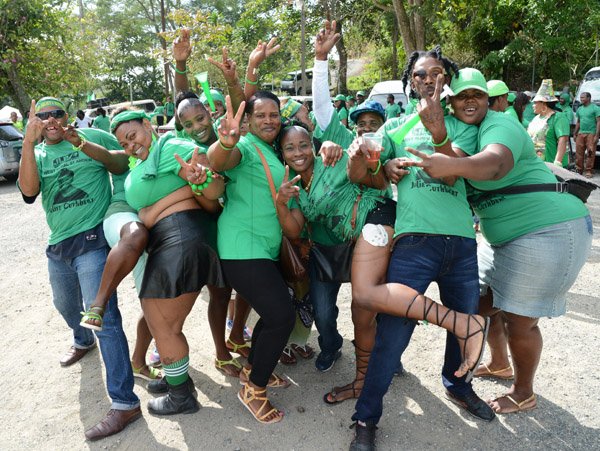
80,146
251,82
182,72
442,143
197,189
376,171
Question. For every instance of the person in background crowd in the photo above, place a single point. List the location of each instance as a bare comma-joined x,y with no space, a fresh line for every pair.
16,122
101,120
340,106
351,104
528,113
549,130
82,120
511,109
587,130
159,113
169,109
497,95
564,104
77,248
360,97
392,110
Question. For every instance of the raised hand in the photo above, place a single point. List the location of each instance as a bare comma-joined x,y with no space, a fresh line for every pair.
35,126
182,48
227,66
262,51
229,128
70,134
437,165
331,153
288,188
430,108
326,39
395,169
193,171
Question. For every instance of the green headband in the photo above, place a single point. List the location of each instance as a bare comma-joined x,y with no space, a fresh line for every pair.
290,108
49,101
126,116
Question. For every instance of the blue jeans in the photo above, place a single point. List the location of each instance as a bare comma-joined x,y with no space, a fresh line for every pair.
418,260
323,296
74,285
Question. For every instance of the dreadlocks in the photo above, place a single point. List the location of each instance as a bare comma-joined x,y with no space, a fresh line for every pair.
450,66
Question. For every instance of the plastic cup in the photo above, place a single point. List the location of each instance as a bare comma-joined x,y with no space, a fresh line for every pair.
374,142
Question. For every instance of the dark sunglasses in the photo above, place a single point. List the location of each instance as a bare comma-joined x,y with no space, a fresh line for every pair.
57,114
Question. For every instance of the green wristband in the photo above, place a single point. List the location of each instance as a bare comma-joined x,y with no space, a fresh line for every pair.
446,139
251,82
182,72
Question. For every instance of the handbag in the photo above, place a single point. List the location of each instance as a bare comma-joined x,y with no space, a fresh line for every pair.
334,263
293,267
566,182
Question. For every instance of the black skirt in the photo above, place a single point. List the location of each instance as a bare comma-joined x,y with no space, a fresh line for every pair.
182,255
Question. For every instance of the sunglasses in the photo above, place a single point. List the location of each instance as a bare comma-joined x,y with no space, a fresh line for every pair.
56,114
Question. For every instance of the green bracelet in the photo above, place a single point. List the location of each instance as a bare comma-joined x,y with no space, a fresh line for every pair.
197,189
442,143
376,171
182,72
224,147
251,82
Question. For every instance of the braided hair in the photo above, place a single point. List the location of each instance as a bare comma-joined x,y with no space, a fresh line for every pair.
450,66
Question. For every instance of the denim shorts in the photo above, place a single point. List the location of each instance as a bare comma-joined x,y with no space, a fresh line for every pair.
531,275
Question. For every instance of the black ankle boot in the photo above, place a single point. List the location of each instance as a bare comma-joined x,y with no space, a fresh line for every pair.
161,386
179,399
364,440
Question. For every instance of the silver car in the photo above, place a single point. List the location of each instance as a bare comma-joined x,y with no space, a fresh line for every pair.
11,142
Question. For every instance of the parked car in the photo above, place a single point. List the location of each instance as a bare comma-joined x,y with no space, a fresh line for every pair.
381,90
592,74
292,82
11,142
162,129
148,105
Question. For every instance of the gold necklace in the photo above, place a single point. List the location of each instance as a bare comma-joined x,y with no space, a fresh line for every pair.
307,187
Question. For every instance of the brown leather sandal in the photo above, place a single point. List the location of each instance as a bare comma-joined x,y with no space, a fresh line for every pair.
247,394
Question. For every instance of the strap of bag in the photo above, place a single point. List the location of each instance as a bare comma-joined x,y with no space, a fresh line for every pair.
269,176
559,187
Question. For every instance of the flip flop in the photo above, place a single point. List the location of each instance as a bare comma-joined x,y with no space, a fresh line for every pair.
287,356
306,352
155,374
484,371
523,406
221,364
94,313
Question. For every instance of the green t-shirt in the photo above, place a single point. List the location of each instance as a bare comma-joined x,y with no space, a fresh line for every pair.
330,202
336,132
248,227
158,175
102,122
392,111
170,109
118,203
75,188
506,217
586,115
411,106
558,126
510,111
342,113
425,204
528,114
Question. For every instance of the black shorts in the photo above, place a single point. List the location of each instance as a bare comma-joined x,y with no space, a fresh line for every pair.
384,213
181,255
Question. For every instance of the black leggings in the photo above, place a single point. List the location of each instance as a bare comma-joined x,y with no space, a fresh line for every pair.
259,281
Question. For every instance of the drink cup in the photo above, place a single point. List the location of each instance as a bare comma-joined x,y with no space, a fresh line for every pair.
374,142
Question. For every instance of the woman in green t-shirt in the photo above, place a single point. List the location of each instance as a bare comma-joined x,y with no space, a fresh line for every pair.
101,121
176,201
249,239
323,196
536,242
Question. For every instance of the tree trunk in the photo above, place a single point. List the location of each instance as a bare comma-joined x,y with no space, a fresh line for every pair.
419,21
408,37
394,48
343,54
17,92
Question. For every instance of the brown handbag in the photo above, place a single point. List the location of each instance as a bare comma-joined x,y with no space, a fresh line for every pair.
293,267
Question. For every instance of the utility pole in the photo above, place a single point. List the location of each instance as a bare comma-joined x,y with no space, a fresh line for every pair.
165,62
300,4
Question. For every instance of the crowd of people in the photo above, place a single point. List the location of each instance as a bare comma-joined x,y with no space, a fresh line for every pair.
210,203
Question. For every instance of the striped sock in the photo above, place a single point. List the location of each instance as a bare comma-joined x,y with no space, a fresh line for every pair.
177,372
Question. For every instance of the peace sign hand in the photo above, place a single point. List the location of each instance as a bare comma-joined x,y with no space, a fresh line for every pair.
35,126
229,128
430,108
326,39
262,51
227,66
437,165
288,188
192,171
182,48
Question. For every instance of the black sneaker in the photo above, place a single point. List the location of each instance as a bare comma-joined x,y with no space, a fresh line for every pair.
364,438
325,361
473,404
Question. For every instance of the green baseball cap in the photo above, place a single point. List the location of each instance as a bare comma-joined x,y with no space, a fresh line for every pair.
341,97
496,88
468,78
350,97
361,93
290,108
511,97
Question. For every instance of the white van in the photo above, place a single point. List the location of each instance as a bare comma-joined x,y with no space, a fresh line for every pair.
148,105
292,82
381,90
592,74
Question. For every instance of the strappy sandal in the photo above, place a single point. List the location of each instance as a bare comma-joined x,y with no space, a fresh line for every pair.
362,363
155,374
247,394
95,313
483,329
484,371
287,356
306,352
275,381
241,349
523,406
222,364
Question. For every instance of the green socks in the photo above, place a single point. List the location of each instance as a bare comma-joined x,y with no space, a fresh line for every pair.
177,372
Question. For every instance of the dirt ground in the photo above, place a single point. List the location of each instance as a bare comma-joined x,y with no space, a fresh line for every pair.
45,406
